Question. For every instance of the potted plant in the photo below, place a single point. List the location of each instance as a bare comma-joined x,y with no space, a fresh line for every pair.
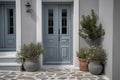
29,56
82,55
97,58
90,30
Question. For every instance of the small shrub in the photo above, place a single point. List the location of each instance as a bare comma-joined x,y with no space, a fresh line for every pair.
83,53
97,53
29,51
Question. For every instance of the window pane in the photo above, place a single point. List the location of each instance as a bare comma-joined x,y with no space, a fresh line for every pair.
64,21
64,12
10,21
50,31
50,21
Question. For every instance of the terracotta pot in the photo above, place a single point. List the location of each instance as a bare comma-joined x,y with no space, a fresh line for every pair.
83,65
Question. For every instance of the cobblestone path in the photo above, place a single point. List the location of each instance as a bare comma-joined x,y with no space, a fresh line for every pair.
50,74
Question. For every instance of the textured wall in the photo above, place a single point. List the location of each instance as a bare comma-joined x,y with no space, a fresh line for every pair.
106,17
28,23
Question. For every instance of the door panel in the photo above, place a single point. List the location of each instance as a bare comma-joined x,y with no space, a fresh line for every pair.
10,31
64,17
7,27
50,33
56,33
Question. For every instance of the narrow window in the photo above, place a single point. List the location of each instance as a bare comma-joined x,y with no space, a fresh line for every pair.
10,21
50,21
64,21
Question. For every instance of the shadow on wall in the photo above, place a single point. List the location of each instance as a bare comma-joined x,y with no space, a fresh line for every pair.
32,15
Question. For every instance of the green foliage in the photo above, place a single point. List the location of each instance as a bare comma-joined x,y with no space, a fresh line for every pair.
30,50
89,30
97,53
83,53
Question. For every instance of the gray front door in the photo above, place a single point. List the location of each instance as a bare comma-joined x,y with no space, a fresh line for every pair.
7,26
57,33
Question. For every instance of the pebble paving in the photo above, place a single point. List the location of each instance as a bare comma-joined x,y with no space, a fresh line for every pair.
50,74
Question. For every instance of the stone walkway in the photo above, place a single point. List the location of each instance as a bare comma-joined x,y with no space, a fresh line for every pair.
50,74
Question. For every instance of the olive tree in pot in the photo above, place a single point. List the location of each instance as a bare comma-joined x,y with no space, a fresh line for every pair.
82,57
90,30
29,56
92,33
97,58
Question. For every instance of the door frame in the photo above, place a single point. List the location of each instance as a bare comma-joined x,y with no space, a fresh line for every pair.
75,30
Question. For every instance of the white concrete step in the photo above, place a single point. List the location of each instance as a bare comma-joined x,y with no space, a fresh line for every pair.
8,61
13,66
4,60
10,64
8,58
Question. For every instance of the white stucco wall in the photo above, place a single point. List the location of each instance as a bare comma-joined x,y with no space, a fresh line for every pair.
28,22
106,17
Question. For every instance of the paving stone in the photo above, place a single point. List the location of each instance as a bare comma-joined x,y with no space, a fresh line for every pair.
81,79
79,72
9,76
1,74
50,74
30,74
4,72
14,73
72,72
52,78
100,77
77,75
2,79
91,77
62,77
52,70
25,78
71,78
60,73
43,77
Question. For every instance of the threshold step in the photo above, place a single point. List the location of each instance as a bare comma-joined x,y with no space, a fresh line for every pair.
10,64
8,56
9,60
